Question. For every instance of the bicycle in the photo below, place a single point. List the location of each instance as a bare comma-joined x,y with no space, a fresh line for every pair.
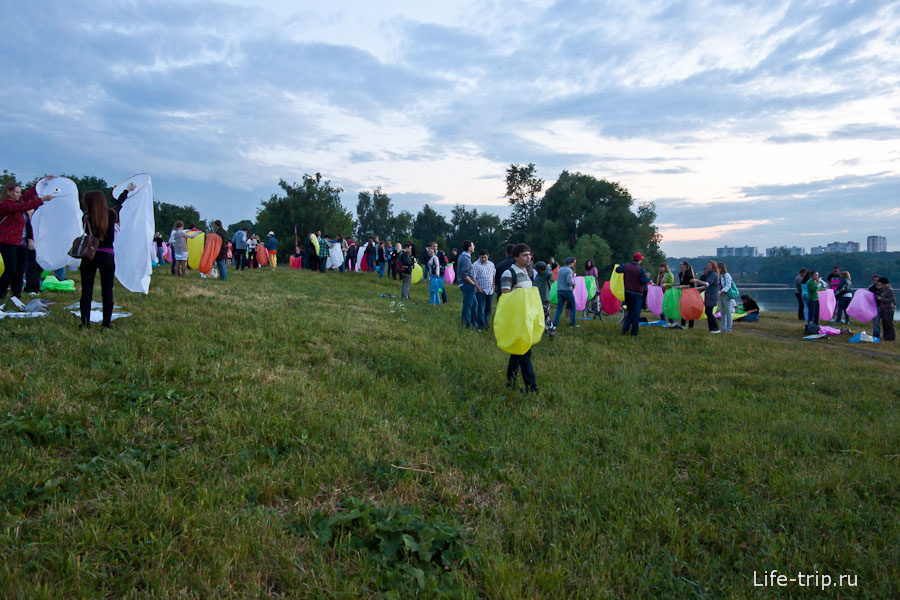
594,310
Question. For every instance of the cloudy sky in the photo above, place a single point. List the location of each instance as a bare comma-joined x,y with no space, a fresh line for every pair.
760,123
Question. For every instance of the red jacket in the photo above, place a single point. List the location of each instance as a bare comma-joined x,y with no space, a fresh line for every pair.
13,216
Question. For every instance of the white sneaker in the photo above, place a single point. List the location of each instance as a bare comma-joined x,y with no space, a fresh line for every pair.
716,331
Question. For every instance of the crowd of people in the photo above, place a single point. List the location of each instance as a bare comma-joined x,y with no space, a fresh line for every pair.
809,283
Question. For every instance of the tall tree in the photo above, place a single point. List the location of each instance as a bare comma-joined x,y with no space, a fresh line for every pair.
165,215
374,214
522,189
430,226
313,204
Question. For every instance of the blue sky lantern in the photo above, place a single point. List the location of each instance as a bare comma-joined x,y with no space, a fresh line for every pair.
761,124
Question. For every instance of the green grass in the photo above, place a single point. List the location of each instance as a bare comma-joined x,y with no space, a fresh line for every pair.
216,444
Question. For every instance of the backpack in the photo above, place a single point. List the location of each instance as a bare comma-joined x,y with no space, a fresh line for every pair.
810,329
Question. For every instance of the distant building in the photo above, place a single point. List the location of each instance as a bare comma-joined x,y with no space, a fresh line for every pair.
778,250
836,248
729,251
876,243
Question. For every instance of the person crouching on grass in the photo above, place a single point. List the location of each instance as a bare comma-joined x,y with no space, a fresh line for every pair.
514,278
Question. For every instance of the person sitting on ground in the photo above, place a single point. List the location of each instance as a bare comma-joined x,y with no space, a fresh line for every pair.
750,307
886,307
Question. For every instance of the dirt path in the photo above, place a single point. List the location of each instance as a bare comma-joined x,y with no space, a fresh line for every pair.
854,348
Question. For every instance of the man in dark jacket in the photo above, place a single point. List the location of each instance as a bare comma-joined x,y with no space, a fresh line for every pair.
222,258
635,278
887,304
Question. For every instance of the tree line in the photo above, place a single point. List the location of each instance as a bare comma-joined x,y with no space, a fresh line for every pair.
579,215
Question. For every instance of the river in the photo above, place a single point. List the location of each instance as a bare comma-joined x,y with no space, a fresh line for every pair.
777,297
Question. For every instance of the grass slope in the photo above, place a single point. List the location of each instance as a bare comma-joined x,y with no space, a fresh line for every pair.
286,434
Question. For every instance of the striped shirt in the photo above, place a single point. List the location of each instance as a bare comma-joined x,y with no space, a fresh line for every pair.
484,276
522,279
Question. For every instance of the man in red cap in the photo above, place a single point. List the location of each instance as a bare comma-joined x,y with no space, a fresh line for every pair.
635,278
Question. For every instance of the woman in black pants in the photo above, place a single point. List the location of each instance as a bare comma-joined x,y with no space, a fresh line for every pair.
684,281
102,224
13,238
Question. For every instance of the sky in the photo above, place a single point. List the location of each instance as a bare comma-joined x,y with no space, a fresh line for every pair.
761,123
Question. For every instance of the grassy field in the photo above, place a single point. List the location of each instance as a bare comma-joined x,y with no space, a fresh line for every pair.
294,434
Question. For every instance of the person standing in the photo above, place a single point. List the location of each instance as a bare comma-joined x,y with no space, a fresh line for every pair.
180,247
465,278
239,246
158,241
14,204
725,283
635,279
272,249
665,279
685,280
843,295
541,281
515,277
222,258
352,251
370,255
798,283
100,221
324,252
590,270
435,282
876,322
252,244
344,247
812,292
485,273
565,296
406,263
834,279
886,306
380,259
709,281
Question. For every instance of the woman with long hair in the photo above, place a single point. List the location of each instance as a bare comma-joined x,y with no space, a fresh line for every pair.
709,281
725,283
590,270
14,204
100,221
666,280
685,278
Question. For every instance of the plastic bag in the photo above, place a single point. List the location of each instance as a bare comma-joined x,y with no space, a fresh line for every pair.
617,284
519,320
655,299
863,306
691,304
53,284
608,300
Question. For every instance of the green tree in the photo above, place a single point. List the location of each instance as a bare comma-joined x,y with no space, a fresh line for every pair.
165,215
400,227
7,177
485,229
429,226
232,229
522,189
314,204
374,214
588,247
